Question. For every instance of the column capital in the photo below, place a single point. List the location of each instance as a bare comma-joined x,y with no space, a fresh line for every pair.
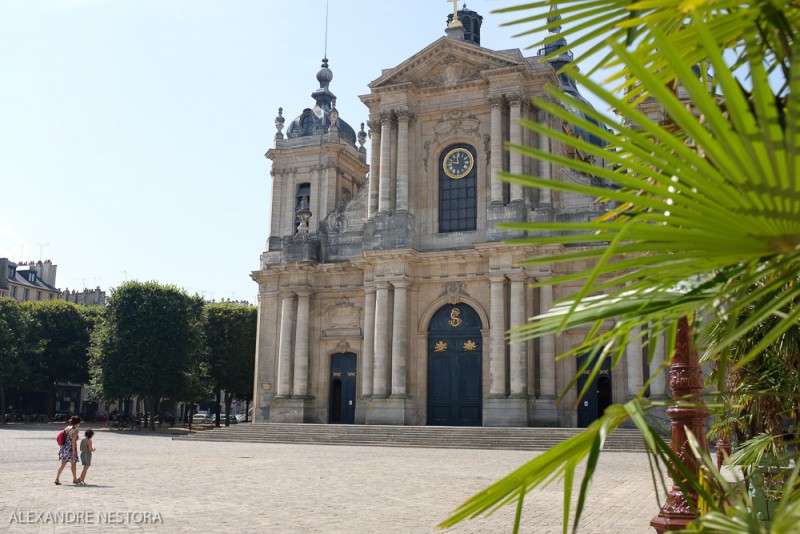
495,278
517,277
515,99
303,293
495,101
404,115
401,284
382,285
287,294
386,117
369,289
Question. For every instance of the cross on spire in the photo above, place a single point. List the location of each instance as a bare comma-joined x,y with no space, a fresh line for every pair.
455,23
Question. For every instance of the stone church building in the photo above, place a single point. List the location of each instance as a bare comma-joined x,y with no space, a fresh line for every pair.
386,288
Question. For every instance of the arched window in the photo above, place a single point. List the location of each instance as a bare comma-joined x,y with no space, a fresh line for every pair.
458,188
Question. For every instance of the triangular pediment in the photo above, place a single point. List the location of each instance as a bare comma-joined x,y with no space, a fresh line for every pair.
448,62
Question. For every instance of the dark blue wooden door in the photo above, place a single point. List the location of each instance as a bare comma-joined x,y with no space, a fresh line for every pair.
343,388
454,367
598,396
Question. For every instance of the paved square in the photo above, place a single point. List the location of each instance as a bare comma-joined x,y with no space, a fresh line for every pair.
246,487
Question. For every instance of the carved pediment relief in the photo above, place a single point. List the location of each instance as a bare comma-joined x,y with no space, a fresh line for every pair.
343,319
457,122
447,72
454,292
446,63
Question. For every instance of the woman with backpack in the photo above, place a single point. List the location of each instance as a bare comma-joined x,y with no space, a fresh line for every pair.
68,451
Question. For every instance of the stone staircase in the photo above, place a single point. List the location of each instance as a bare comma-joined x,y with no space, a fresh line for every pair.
512,438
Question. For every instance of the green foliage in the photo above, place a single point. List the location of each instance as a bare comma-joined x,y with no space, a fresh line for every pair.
147,343
768,26
230,333
60,331
14,324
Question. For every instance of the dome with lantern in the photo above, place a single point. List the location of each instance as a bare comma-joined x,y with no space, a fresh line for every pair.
319,119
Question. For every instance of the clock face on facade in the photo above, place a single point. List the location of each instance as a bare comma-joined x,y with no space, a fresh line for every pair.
458,163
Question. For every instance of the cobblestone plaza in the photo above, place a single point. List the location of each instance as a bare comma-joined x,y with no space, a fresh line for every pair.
143,482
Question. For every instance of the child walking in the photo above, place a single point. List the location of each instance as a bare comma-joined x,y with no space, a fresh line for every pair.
86,454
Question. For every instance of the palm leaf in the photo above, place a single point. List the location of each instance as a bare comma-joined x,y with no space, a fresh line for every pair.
704,211
591,25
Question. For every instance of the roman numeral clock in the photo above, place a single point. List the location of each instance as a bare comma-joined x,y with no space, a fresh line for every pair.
458,163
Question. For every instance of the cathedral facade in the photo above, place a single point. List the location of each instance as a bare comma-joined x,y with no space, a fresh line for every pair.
387,289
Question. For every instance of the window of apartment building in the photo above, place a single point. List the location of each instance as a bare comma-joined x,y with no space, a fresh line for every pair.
38,295
13,292
26,294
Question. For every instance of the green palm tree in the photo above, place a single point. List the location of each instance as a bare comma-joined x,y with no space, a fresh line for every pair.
705,220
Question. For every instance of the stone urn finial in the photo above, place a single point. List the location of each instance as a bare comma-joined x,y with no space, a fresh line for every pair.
303,214
279,120
333,116
362,138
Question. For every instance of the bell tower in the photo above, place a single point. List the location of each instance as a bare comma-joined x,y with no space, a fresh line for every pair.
316,167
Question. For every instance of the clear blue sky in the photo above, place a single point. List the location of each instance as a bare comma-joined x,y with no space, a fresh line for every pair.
133,132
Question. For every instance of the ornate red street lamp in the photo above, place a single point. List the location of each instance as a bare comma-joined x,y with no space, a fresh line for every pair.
686,383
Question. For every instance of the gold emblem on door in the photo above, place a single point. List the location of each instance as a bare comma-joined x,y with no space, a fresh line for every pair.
455,321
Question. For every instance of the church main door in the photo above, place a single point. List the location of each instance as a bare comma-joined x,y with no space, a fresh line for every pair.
343,388
598,396
454,367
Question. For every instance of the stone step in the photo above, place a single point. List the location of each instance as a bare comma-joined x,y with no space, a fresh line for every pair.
526,438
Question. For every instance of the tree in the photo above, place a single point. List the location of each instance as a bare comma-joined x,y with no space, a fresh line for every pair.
707,223
147,341
13,333
231,341
59,336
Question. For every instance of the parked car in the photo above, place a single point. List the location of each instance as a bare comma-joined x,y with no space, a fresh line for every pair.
213,418
241,418
231,418
201,417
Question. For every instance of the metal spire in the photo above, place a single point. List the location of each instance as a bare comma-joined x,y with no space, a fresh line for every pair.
555,16
326,29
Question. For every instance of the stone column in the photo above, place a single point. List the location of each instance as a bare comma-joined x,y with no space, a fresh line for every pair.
278,185
634,363
518,364
285,346
496,128
515,102
368,350
497,342
545,196
399,339
385,197
381,366
403,119
289,190
301,346
374,167
547,349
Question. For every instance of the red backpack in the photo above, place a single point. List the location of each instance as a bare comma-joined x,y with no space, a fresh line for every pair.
61,437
